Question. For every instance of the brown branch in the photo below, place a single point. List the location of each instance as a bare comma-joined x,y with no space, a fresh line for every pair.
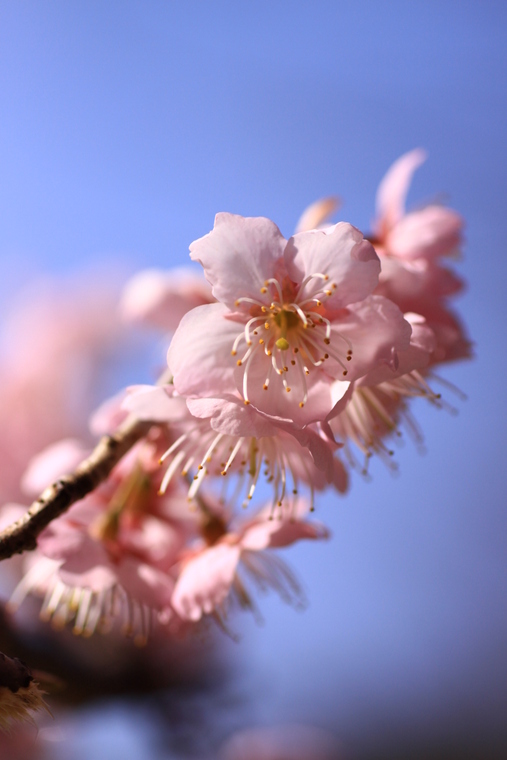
56,499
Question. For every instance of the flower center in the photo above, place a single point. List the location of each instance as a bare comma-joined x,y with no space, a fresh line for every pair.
289,328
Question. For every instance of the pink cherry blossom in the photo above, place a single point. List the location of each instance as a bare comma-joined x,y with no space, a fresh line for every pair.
291,316
209,576
224,438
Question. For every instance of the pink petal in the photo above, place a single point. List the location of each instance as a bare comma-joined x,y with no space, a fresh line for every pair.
200,352
392,191
205,581
53,462
415,357
433,231
239,255
317,213
159,404
232,417
160,298
277,533
339,252
376,330
145,583
97,578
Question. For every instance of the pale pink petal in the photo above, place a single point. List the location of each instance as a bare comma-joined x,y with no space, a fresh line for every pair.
376,329
108,416
277,533
145,583
239,255
155,403
416,357
392,191
205,581
232,417
342,255
54,461
160,298
276,401
317,213
200,352
97,578
433,231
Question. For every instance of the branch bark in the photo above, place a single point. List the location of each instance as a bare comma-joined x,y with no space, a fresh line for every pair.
56,499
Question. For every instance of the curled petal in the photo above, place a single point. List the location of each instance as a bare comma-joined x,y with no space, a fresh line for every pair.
393,189
317,213
276,533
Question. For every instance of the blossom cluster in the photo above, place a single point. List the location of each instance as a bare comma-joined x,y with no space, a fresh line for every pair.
291,363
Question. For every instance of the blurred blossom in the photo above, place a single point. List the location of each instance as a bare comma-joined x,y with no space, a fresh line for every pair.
291,742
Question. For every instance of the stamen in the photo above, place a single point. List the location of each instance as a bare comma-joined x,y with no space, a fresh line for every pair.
232,456
274,282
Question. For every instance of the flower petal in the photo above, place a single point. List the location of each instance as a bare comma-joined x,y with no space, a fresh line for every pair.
392,191
341,254
200,352
239,255
205,581
433,231
376,329
276,533
155,403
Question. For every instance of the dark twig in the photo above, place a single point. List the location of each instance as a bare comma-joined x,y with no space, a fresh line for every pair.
57,498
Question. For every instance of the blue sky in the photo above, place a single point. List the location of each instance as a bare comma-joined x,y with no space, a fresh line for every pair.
125,126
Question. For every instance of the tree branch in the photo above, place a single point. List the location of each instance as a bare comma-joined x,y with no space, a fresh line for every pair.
56,499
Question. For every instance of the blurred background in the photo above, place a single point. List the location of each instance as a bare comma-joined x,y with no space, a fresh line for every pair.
125,126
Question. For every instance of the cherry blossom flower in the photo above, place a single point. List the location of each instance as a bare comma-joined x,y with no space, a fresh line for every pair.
210,574
291,316
216,438
111,554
